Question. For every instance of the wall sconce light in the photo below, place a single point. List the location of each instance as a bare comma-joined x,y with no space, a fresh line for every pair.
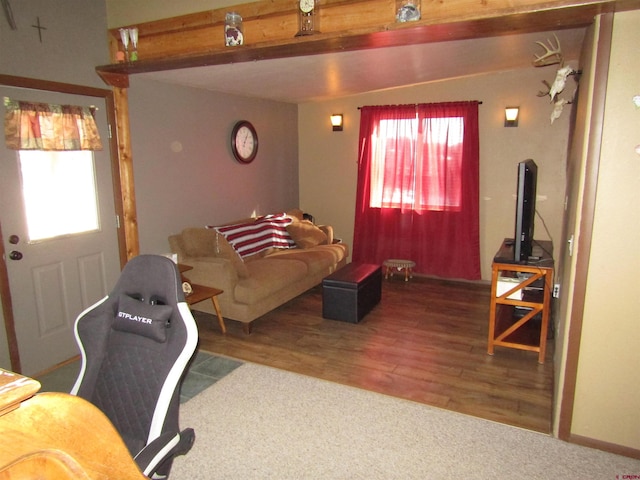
336,122
511,116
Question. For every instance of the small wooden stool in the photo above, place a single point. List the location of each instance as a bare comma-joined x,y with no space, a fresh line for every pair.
397,264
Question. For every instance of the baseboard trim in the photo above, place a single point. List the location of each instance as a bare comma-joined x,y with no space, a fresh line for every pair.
605,446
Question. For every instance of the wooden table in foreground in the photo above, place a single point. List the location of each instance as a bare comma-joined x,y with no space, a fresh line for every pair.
57,436
14,388
202,292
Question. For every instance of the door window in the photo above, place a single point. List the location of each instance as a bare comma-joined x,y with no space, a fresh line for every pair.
59,190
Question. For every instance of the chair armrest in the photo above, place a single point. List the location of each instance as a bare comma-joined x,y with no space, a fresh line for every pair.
166,446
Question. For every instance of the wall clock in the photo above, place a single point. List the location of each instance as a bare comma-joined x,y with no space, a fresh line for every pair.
307,10
244,141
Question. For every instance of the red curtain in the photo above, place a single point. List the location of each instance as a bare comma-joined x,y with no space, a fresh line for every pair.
421,201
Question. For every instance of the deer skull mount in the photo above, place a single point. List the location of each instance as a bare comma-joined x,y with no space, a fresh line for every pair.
553,56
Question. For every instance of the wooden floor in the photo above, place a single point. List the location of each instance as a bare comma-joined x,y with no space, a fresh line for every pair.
426,341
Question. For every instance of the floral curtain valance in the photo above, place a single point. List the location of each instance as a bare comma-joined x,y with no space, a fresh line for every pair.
43,126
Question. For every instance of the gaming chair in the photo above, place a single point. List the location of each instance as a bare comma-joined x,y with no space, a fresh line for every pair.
135,346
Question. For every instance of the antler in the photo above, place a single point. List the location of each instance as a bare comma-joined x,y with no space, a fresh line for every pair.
544,94
552,55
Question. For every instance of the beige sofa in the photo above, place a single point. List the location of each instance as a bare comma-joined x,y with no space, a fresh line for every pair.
259,283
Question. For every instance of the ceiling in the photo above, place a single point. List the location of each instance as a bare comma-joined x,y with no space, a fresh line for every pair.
325,76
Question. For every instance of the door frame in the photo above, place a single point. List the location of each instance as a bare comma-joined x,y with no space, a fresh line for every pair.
107,95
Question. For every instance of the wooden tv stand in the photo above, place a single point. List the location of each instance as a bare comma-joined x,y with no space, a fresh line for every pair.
524,288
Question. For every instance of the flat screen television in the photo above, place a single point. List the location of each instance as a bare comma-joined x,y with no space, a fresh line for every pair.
525,210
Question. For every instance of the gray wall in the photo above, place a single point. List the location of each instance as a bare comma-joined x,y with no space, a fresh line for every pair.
73,43
185,174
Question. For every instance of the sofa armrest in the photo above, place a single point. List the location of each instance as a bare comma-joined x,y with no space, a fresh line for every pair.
212,272
176,246
328,230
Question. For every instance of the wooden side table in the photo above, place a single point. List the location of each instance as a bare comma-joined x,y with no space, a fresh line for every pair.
202,292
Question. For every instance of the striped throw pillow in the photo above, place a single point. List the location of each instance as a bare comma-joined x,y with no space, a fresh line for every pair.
269,231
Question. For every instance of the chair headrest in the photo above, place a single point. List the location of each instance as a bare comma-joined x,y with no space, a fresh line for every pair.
151,277
134,316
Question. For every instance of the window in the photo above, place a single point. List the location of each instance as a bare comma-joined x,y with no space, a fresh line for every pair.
416,163
418,187
59,190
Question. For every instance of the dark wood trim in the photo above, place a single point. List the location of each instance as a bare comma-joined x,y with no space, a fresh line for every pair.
114,79
605,446
116,177
50,86
7,309
601,66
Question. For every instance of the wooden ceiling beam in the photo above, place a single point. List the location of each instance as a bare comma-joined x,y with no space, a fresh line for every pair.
196,40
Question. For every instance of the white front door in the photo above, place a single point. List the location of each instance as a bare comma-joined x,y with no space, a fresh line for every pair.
52,280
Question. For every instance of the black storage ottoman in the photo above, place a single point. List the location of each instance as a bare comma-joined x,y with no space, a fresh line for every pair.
351,292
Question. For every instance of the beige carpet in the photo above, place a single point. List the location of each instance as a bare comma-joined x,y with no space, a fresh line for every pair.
262,423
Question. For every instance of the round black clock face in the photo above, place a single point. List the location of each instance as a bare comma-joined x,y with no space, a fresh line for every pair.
244,142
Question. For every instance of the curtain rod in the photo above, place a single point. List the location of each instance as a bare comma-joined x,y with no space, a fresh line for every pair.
479,102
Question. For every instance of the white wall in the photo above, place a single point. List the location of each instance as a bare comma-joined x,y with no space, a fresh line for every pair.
328,168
